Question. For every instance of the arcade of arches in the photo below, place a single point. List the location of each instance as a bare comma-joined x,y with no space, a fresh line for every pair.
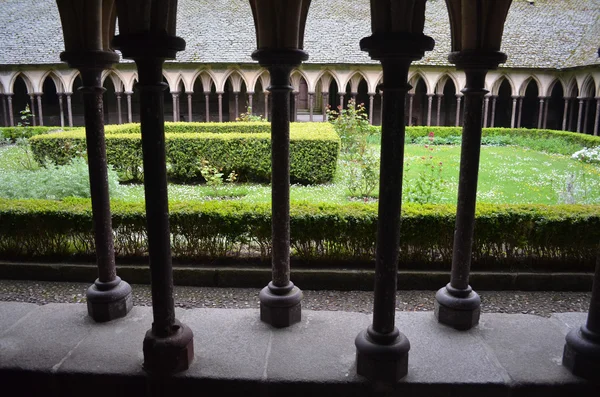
568,100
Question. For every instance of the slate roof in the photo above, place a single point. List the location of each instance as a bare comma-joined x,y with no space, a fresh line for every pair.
551,34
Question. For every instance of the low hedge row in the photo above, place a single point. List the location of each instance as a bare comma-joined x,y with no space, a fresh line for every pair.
313,152
186,128
530,236
14,133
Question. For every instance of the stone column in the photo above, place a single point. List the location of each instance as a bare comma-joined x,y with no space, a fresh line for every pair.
174,96
61,109
429,103
69,108
109,297
168,346
486,106
33,111
311,98
439,107
381,349
570,125
411,97
579,114
11,116
119,110
207,105
128,95
4,112
541,113
342,101
189,106
325,103
520,111
493,121
220,98
267,116
40,112
513,114
371,104
458,113
597,120
250,98
296,93
280,300
582,348
565,114
456,304
236,112
586,116
381,107
546,112
354,94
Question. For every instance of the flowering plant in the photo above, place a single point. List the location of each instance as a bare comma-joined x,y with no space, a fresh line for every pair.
588,155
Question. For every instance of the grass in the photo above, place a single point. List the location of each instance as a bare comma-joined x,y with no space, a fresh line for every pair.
508,174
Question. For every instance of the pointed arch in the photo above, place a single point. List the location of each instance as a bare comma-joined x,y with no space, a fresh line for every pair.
440,84
414,78
332,76
572,88
56,78
495,89
552,85
296,76
588,87
355,79
229,73
26,80
526,82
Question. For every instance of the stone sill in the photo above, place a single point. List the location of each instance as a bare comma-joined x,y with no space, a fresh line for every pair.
57,350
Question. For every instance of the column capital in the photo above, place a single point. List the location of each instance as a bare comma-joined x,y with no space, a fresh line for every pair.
128,92
460,95
430,95
515,96
371,93
439,95
189,92
250,92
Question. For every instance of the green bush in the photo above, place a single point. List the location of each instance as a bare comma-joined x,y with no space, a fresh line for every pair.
14,133
313,152
514,236
197,128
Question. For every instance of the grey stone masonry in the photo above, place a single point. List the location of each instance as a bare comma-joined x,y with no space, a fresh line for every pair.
538,34
56,350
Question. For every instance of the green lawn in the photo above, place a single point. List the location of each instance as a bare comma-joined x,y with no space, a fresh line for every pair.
508,174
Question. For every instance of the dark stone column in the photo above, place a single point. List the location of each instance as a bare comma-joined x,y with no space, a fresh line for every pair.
39,105
565,114
128,94
168,345
61,109
570,125
545,121
513,114
207,105
11,116
296,93
311,98
494,98
250,99
119,109
325,103
189,105
439,108
411,97
486,106
69,108
4,112
174,97
458,112
280,301
220,97
579,114
582,348
109,297
267,116
429,103
456,304
381,107
236,95
381,350
520,111
597,120
541,112
371,103
342,101
33,111
586,115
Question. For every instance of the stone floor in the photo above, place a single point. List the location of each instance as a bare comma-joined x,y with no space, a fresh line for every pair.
56,350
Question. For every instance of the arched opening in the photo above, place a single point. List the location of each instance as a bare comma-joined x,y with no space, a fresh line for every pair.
448,104
333,97
181,103
419,110
198,101
20,101
77,103
302,96
258,100
111,115
590,108
135,104
51,108
573,110
503,116
362,95
556,103
168,100
530,107
377,107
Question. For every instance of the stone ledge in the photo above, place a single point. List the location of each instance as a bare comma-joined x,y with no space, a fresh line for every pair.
307,279
57,350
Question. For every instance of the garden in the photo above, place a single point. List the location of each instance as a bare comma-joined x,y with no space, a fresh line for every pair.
538,194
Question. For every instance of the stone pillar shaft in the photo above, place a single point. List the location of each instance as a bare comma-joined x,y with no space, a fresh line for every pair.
220,97
586,116
429,103
371,103
207,105
520,112
267,115
61,109
40,111
311,98
69,108
486,105
597,120
458,112
579,114
439,107
540,113
129,113
545,121
250,106
325,103
189,106
11,117
174,97
411,97
119,110
236,114
493,120
565,114
33,110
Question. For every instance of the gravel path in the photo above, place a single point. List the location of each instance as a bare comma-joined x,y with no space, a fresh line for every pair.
537,303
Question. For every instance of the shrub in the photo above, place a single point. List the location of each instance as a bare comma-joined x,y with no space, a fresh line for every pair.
313,152
14,133
243,127
525,236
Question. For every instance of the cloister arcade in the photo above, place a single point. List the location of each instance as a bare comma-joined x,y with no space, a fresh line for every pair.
562,100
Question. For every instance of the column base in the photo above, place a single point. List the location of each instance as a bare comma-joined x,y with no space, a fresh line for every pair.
582,353
459,309
280,306
382,358
108,301
171,354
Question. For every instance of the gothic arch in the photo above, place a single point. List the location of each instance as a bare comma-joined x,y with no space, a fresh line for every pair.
496,85
588,87
25,78
442,80
58,81
334,76
525,84
228,74
553,84
207,78
572,88
414,78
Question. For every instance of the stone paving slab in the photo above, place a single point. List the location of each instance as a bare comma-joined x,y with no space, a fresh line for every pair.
11,314
57,349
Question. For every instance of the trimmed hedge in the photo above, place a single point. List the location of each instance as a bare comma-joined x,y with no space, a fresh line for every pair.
14,133
313,152
196,128
523,236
